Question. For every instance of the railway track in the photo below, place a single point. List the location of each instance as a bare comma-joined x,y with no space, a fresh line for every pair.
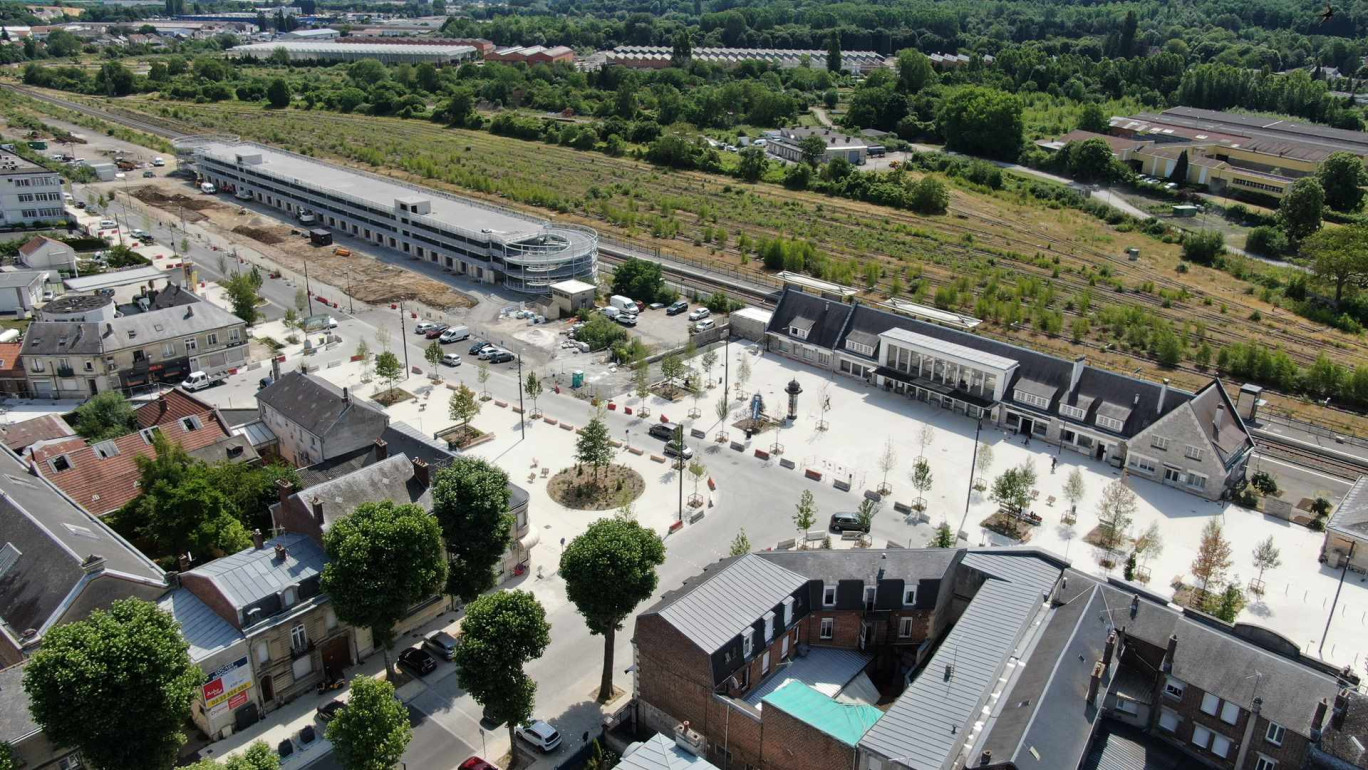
1340,465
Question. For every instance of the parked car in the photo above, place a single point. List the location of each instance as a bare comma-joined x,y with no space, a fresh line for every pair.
328,710
611,312
106,224
479,345
423,327
487,351
676,449
676,308
418,660
663,430
149,174
141,235
441,644
699,314
704,325
159,161
541,735
475,763
627,319
500,356
435,331
840,522
451,359
454,334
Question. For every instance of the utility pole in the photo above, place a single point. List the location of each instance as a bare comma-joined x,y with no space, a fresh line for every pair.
968,496
351,302
1343,571
403,337
679,444
726,369
522,414
309,292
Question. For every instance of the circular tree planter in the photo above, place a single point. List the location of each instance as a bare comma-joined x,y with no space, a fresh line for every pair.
577,487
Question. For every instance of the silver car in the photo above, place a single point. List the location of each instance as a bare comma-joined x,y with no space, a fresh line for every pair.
441,644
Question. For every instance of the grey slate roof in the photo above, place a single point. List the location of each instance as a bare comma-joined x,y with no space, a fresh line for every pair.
829,317
254,574
170,323
203,629
60,338
317,405
1233,437
834,566
731,599
399,438
659,752
16,723
925,726
1351,517
388,479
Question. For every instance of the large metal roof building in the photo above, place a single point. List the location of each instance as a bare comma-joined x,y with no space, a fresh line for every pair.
332,51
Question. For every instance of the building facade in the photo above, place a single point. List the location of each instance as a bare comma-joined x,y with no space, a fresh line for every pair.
787,143
315,420
29,193
469,238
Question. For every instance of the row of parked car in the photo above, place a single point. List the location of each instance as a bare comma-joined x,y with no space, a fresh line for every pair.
445,334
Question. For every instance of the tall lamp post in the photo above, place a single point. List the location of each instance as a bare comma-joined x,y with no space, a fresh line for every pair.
522,415
973,464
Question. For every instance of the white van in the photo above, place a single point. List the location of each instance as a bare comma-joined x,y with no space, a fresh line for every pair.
242,194
623,303
307,218
159,161
202,380
208,188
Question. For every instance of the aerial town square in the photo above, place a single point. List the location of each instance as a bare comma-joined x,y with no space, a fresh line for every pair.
692,385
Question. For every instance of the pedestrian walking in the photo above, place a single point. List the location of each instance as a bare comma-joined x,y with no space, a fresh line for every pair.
1053,462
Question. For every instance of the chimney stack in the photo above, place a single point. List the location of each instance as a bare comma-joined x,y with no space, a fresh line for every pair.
1163,394
284,488
1110,649
1170,652
1318,719
1217,421
280,552
381,449
1095,682
1077,373
258,539
317,505
1341,706
183,562
92,564
986,758
421,472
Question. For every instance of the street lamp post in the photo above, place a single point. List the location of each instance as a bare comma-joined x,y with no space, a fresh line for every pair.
968,496
522,417
1343,571
309,293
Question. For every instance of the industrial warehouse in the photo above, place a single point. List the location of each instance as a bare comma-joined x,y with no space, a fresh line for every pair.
473,239
334,52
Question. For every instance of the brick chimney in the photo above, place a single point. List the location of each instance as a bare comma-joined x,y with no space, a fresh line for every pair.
986,758
1109,650
422,473
284,488
1170,652
280,552
1341,706
381,449
1095,682
1318,719
317,505
258,539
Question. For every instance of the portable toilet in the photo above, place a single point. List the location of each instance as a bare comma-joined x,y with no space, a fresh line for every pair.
577,379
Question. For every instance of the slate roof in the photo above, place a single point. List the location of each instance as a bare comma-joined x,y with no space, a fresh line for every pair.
253,574
20,435
317,405
829,317
140,329
1232,439
16,722
834,566
399,438
205,632
714,611
62,338
846,722
54,536
659,752
389,479
1351,517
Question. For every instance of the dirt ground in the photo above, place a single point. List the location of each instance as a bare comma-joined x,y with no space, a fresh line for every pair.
370,280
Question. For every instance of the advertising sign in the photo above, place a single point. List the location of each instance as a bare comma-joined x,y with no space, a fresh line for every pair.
227,687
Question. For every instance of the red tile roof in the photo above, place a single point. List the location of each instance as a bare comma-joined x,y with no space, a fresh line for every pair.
104,484
37,242
21,435
170,407
9,360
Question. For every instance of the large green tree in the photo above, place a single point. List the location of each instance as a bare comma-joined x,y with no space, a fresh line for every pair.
593,447
382,559
914,71
106,415
242,294
1339,256
1343,176
116,686
982,121
1301,208
278,93
373,731
470,500
501,632
639,279
1091,161
608,571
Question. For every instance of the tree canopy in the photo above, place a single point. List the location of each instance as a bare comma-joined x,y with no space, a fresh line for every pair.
501,632
106,415
470,499
373,731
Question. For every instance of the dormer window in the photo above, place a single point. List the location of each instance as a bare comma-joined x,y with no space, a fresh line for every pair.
828,596
1072,412
859,347
1110,423
798,332
747,642
1031,399
148,433
191,423
769,626
60,463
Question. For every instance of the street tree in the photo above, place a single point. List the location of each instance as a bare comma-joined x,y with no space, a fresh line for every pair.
501,632
1339,256
1074,488
944,537
258,756
482,376
433,355
1213,556
1115,513
985,462
291,319
888,460
1149,543
672,368
1342,176
301,301
697,470
463,407
135,650
1301,208
864,515
708,361
926,435
743,373
740,545
382,559
1012,490
805,516
921,480
389,368
641,379
242,294
533,388
470,501
594,447
608,571
373,731
106,415
1267,556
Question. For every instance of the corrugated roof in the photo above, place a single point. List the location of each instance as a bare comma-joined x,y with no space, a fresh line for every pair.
203,629
846,722
1352,514
731,600
254,574
1119,747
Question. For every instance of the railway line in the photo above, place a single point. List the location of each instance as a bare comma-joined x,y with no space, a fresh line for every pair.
1339,464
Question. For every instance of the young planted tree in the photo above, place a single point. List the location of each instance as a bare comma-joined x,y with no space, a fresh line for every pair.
1267,556
697,470
470,502
501,632
806,514
672,368
463,406
743,375
1012,490
921,481
944,537
925,437
1213,556
888,460
291,319
641,382
1115,513
382,559
136,650
985,462
594,447
740,545
533,388
373,731
433,355
301,300
482,376
1149,543
1074,488
363,355
608,571
389,368
708,361
864,514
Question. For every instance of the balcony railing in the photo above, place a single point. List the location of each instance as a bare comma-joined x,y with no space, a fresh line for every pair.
297,652
65,371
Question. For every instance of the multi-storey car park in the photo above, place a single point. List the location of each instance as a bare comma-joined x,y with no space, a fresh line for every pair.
483,242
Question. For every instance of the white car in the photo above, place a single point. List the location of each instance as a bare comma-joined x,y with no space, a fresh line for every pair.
159,161
704,325
107,224
424,327
700,314
541,735
451,359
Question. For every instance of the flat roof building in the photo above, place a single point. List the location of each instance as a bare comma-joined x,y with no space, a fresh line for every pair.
333,51
660,56
468,237
29,193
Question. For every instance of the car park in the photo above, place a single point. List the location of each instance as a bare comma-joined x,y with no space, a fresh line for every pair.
699,314
451,359
441,644
329,710
423,327
704,325
541,735
418,660
677,307
840,522
663,430
500,356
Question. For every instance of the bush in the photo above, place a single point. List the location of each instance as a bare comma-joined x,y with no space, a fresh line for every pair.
1266,240
600,331
929,196
1203,246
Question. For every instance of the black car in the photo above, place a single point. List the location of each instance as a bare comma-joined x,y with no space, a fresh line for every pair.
479,345
663,430
500,357
840,522
328,710
677,307
417,660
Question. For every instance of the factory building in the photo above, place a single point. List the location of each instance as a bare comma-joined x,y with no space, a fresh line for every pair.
343,52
